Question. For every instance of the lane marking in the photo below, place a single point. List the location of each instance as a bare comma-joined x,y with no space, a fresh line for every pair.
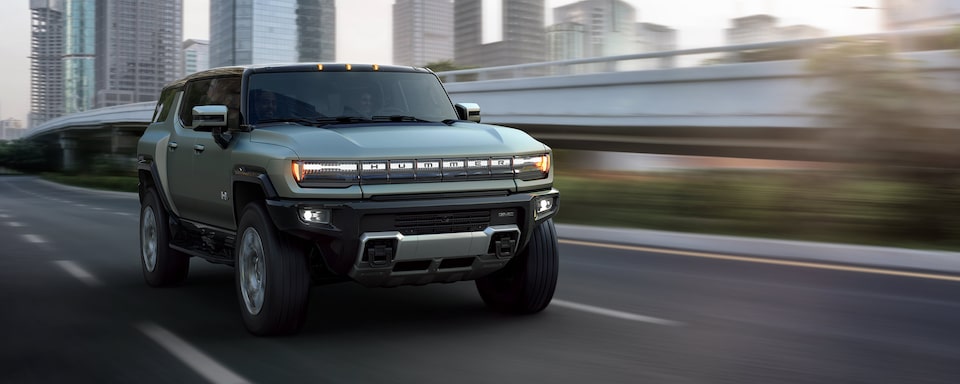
190,355
122,213
614,313
4,216
31,238
77,271
80,205
14,224
760,260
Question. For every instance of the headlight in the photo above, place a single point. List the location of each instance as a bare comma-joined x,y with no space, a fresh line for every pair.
326,173
532,167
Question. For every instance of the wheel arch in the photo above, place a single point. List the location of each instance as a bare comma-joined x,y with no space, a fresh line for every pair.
250,184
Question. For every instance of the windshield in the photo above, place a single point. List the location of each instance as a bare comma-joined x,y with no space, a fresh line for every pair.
343,97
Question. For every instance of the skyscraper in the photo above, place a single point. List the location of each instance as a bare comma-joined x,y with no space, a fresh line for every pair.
46,68
271,31
919,14
657,38
79,55
422,31
609,26
195,56
523,38
138,48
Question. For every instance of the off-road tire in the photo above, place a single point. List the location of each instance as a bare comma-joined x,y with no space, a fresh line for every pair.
526,284
284,275
169,266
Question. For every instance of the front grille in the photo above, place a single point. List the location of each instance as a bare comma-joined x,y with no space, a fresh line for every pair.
448,222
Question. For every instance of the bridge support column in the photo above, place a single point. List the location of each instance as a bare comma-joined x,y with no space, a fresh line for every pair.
69,147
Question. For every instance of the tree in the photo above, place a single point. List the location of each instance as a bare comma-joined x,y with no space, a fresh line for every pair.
895,122
23,155
449,65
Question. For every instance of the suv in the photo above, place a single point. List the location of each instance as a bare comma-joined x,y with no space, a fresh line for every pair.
307,174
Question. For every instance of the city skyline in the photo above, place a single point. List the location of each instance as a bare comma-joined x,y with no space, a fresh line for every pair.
360,41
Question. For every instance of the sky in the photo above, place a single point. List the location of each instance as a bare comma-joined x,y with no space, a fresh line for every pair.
364,29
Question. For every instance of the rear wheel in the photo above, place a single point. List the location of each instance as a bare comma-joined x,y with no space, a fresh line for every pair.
272,277
527,283
161,264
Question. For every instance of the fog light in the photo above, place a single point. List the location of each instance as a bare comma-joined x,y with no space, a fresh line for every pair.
315,216
544,206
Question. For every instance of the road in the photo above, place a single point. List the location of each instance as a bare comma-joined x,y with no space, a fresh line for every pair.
75,309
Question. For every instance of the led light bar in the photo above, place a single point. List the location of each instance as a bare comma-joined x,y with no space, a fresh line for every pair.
332,173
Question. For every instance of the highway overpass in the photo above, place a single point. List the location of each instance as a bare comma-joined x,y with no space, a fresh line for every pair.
758,109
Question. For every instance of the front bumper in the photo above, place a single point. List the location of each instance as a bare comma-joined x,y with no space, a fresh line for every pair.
419,239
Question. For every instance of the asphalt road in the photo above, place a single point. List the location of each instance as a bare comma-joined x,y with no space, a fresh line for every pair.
74,308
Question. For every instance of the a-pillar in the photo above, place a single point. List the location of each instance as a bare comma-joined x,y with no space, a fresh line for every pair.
69,147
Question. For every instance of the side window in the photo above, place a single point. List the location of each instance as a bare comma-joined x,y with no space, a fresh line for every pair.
163,106
226,91
216,91
195,94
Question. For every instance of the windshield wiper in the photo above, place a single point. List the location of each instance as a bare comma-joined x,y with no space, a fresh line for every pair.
317,122
400,118
298,120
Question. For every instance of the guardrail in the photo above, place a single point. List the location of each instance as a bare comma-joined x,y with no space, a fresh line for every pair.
905,40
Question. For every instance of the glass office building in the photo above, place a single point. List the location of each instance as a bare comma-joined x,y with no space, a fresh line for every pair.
138,49
271,31
79,56
46,53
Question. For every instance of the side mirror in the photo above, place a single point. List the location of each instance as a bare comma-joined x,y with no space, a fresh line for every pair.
209,116
468,111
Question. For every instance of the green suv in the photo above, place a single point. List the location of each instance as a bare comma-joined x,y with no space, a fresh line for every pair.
306,174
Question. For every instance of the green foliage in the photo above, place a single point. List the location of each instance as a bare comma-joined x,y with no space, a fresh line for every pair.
883,111
111,165
809,205
111,183
449,65
23,155
443,66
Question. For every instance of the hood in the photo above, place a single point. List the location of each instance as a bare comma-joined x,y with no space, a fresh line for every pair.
398,140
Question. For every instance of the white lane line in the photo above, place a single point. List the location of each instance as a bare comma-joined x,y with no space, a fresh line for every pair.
4,216
98,209
122,213
15,224
615,313
77,271
31,238
80,205
190,355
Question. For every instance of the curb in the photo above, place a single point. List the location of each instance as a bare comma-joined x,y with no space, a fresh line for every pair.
130,195
887,257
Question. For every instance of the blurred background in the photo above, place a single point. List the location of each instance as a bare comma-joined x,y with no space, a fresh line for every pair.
826,120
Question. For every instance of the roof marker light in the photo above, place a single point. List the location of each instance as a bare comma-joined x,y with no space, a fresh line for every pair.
376,67
320,67
349,67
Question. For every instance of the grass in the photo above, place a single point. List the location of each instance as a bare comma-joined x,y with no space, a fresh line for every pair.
104,182
814,206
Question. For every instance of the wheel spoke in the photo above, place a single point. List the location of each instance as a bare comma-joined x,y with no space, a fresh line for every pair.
251,266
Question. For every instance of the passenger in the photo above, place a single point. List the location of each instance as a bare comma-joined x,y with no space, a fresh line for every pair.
265,105
226,91
361,105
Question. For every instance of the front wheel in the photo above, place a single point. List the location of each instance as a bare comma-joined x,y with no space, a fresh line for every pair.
272,277
161,264
526,284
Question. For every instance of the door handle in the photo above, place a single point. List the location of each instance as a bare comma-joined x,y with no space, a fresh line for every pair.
173,145
199,148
